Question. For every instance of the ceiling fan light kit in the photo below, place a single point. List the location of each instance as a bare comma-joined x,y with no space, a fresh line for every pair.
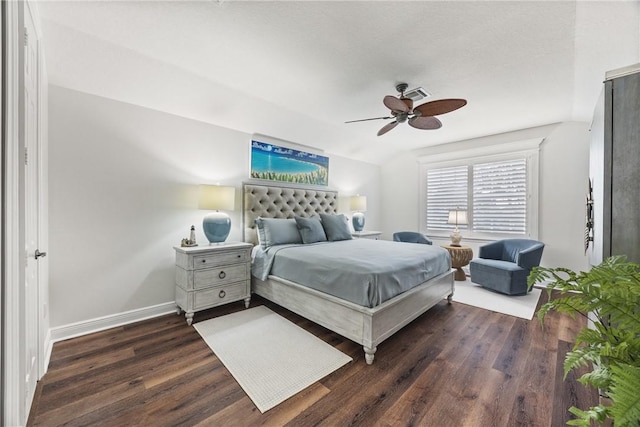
420,117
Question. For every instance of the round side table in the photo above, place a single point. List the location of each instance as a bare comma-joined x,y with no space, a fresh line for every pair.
460,256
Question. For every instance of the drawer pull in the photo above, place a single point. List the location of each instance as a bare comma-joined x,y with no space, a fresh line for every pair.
204,260
222,275
222,294
239,256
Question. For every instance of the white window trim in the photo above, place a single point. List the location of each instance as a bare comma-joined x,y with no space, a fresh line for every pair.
529,149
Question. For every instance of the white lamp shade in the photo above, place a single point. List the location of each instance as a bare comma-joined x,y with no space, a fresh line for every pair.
457,217
216,197
358,203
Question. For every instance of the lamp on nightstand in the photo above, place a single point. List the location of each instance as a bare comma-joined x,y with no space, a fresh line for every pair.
457,217
216,225
359,204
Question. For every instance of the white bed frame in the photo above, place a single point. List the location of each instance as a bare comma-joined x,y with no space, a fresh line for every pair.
366,326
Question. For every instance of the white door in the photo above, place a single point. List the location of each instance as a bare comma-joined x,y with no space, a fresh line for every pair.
31,194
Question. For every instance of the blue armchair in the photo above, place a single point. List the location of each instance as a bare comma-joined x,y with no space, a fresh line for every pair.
504,265
411,237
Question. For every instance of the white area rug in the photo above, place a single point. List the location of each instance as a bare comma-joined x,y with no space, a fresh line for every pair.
519,306
271,358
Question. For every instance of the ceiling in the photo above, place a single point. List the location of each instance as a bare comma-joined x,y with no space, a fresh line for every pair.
298,70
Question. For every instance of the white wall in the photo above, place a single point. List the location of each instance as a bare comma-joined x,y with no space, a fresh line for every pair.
123,182
564,183
564,166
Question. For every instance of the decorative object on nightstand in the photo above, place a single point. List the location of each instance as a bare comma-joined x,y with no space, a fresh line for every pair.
460,256
457,217
373,235
216,225
191,241
359,205
208,276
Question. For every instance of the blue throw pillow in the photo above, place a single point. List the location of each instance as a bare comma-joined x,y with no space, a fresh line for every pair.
311,229
336,227
277,231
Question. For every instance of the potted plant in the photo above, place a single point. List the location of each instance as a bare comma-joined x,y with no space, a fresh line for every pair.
609,295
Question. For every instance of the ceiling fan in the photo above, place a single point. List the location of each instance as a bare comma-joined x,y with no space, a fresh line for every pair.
420,117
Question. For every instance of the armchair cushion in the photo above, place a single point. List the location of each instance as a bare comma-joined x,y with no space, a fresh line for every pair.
491,250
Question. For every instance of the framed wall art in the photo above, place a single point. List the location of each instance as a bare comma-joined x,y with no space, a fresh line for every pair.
275,163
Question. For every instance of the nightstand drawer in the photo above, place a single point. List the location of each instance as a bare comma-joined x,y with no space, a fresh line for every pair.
212,260
220,275
220,295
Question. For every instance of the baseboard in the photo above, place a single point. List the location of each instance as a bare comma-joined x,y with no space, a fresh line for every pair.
48,348
73,330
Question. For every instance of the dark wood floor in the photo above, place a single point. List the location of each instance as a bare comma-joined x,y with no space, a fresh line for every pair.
454,366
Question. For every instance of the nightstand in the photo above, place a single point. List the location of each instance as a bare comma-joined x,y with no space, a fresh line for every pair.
212,275
373,235
460,256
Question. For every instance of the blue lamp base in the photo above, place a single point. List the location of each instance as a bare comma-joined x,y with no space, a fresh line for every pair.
216,227
358,221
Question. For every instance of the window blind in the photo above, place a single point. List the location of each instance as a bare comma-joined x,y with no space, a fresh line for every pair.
447,189
500,197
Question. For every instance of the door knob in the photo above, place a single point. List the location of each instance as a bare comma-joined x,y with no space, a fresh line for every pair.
40,254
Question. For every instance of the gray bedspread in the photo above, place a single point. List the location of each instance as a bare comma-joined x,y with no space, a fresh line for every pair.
365,272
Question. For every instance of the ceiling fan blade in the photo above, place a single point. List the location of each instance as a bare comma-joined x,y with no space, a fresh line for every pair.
395,104
386,128
373,118
441,106
425,122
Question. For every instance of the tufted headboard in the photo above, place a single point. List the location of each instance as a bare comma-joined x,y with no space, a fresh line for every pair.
280,201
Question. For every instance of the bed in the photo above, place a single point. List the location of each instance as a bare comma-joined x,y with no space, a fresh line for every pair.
368,322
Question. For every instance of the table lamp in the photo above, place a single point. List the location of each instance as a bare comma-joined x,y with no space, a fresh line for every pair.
457,217
216,225
359,204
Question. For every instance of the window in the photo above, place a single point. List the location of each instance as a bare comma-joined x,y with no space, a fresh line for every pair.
499,193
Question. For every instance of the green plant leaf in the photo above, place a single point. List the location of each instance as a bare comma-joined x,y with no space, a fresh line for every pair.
609,296
597,413
625,395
